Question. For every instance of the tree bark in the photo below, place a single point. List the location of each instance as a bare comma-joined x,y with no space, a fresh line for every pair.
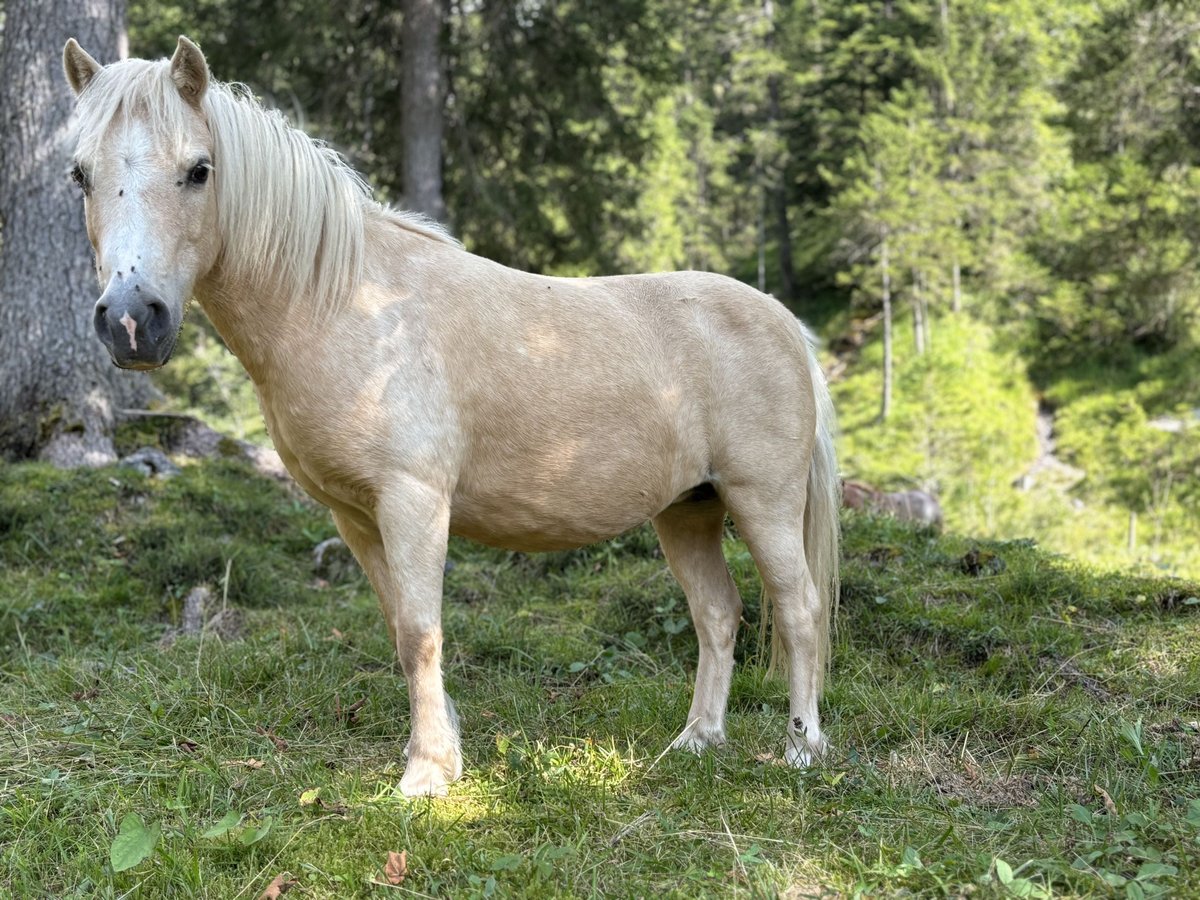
787,270
955,286
58,389
885,405
421,106
918,306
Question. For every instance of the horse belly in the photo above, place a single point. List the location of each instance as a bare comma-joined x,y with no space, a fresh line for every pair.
565,495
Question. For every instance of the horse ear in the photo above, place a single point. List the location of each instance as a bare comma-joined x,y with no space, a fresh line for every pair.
189,71
78,66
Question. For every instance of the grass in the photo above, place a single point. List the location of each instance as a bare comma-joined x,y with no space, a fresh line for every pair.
1006,722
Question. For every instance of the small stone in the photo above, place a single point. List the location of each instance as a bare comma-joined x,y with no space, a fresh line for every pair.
151,462
333,561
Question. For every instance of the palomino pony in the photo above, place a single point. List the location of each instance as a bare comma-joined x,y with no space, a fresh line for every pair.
419,391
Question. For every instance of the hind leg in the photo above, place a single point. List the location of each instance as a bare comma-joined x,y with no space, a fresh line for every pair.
690,534
771,523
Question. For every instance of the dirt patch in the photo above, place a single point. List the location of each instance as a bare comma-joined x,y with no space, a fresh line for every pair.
964,781
1063,673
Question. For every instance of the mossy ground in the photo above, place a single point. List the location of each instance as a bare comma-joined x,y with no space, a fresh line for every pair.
1030,727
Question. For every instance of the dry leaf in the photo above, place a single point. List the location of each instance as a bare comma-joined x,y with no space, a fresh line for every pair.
397,866
279,886
334,809
337,634
187,746
348,714
280,743
90,694
1109,806
250,763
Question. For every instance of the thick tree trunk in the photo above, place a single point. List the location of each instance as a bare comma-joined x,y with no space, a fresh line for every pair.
58,389
421,102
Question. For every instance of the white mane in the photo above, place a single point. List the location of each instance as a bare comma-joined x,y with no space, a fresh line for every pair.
290,210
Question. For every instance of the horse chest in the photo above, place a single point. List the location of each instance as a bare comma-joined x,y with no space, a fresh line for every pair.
318,452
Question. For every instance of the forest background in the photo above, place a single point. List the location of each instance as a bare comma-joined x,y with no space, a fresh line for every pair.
990,211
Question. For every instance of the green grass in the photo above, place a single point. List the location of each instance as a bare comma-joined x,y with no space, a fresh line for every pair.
1029,728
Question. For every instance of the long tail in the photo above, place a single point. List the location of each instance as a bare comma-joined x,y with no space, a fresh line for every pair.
821,525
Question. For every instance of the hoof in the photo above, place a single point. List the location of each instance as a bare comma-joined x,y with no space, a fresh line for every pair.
800,754
697,740
427,778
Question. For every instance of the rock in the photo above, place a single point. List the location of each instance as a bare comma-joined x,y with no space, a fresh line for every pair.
978,563
151,462
200,617
333,561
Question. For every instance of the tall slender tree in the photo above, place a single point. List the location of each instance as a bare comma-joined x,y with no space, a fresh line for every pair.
422,98
59,393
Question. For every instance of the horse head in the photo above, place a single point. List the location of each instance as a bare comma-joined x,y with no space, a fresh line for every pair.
143,161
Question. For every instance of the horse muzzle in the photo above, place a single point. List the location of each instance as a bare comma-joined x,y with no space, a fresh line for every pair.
137,328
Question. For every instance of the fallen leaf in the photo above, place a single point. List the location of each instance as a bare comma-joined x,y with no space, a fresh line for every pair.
250,763
1109,806
309,797
337,634
187,746
90,694
397,866
280,885
134,843
280,743
348,714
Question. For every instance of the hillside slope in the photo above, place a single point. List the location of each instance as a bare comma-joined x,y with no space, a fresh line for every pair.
964,425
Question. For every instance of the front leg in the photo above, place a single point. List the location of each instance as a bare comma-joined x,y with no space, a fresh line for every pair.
405,559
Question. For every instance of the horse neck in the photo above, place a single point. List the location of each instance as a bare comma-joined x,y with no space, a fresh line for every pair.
260,326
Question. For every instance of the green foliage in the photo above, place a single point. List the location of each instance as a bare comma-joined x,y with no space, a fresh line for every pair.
961,425
133,844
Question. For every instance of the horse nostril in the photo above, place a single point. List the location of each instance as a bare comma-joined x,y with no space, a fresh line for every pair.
158,319
98,319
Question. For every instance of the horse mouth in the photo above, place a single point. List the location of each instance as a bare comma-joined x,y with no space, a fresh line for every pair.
136,364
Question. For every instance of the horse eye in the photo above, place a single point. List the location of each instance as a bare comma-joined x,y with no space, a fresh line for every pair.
198,174
81,179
